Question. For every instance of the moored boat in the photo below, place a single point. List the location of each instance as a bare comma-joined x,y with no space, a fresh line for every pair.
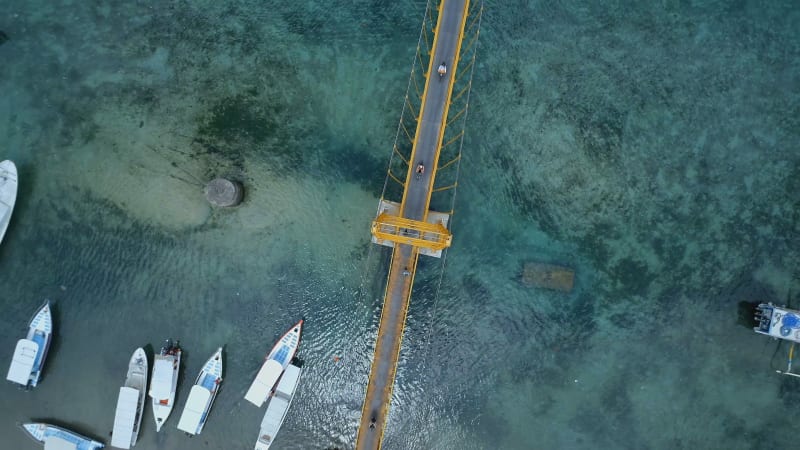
30,353
130,403
778,322
277,407
164,381
202,395
57,438
274,365
8,194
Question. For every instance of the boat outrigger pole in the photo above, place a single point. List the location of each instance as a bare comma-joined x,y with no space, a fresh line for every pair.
789,365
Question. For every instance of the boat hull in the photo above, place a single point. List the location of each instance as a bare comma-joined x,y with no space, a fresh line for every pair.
201,398
46,434
130,403
278,407
30,355
166,367
8,194
275,363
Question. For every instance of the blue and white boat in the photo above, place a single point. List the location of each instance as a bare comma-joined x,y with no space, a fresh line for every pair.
30,353
164,382
277,407
274,365
8,194
778,322
57,438
202,395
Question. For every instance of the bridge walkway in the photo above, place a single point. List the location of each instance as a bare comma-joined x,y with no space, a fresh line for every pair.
417,193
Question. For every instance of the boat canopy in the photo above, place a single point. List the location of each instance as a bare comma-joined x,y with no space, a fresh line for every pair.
161,385
264,382
195,409
277,407
125,418
23,361
58,443
288,381
273,419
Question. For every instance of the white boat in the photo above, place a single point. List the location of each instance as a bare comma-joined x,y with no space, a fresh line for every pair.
57,438
164,382
274,365
30,353
202,395
130,403
777,322
8,194
278,406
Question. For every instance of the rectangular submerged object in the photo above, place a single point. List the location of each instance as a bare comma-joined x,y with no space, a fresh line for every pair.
548,276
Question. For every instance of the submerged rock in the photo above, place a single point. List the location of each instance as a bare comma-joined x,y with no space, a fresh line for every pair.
222,192
3,37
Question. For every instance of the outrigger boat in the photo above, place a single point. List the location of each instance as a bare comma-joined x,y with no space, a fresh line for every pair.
274,365
130,403
57,438
779,323
202,396
165,381
278,406
8,194
30,353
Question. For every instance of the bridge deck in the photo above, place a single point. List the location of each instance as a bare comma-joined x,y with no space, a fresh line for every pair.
415,204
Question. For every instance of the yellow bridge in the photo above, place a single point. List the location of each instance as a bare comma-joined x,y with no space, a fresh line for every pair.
410,227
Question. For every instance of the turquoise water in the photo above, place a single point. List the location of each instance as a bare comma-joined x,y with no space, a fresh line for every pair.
651,147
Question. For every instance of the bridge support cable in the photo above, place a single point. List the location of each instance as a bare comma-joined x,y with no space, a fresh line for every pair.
452,161
414,74
452,140
399,181
446,188
451,151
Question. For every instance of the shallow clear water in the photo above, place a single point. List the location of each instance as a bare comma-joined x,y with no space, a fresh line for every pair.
652,148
